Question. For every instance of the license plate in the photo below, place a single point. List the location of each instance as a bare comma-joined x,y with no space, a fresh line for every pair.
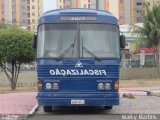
77,102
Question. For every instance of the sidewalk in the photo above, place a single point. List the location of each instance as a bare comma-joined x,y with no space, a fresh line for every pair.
23,103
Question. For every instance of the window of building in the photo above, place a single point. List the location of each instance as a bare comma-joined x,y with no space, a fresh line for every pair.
28,8
139,3
23,7
139,19
89,6
33,27
28,21
24,13
13,20
2,6
24,21
33,7
33,14
121,1
121,10
13,13
60,7
28,1
33,20
85,6
13,1
13,7
29,27
32,0
67,6
60,1
121,17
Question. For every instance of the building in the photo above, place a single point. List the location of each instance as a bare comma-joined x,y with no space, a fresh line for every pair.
133,11
76,4
1,11
152,2
23,13
116,7
127,11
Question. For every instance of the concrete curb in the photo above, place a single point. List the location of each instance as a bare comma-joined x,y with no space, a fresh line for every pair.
33,109
134,93
141,93
154,93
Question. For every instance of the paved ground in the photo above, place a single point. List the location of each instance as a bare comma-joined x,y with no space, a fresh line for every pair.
142,105
22,103
17,103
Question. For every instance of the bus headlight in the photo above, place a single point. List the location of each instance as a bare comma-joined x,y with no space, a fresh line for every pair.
48,85
55,86
107,86
100,86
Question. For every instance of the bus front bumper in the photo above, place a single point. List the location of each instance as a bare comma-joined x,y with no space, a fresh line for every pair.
61,99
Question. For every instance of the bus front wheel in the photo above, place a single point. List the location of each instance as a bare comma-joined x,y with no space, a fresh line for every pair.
47,108
108,107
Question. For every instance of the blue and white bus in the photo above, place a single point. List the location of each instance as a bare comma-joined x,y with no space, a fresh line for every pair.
78,58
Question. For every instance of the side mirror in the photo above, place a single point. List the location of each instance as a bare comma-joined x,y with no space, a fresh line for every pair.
34,41
122,41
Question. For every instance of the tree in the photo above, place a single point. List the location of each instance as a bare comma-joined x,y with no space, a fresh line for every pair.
150,32
15,49
136,44
3,26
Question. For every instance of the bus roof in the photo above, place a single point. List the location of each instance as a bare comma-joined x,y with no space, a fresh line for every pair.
53,16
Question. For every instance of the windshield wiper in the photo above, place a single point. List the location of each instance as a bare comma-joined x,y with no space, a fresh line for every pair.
74,45
67,50
89,52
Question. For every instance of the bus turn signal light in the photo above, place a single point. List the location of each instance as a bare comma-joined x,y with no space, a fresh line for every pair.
39,85
116,85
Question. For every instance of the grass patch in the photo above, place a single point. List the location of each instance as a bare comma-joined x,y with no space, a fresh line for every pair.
140,83
27,83
6,90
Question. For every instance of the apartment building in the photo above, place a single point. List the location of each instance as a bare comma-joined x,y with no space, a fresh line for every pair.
116,7
133,11
1,10
152,2
127,11
23,13
76,4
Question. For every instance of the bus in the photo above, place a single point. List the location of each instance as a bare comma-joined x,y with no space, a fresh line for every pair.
78,58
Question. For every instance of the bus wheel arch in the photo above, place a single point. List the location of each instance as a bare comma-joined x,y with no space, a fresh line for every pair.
47,108
108,107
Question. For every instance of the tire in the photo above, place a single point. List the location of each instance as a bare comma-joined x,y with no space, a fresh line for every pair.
108,107
47,108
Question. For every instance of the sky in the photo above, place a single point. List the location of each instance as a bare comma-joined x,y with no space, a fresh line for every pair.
49,5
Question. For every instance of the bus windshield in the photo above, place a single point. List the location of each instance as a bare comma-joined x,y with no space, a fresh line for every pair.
64,40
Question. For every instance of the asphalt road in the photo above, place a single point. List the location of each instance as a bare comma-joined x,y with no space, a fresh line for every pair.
128,109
